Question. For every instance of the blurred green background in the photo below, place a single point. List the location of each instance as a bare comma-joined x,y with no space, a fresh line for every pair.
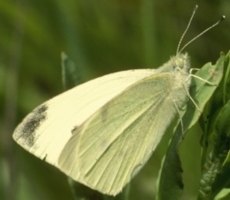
100,37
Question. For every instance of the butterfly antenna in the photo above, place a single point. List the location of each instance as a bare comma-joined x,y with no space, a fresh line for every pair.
203,32
189,23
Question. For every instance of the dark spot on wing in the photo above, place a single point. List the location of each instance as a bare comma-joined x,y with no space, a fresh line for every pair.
27,130
74,129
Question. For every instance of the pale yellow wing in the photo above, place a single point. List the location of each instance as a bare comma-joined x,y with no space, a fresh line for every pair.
110,147
46,130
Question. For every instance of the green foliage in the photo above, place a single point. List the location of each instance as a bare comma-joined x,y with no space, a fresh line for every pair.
216,142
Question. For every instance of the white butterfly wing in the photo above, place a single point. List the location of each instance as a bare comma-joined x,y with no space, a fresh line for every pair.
46,130
110,147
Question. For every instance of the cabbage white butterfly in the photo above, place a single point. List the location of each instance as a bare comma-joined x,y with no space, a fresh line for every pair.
102,132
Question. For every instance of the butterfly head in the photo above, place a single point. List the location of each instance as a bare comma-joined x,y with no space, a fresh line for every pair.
181,62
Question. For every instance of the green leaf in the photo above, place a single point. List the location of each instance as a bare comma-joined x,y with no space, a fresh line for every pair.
71,75
219,146
222,194
216,165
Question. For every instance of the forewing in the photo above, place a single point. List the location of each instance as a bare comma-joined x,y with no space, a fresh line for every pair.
46,130
108,149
